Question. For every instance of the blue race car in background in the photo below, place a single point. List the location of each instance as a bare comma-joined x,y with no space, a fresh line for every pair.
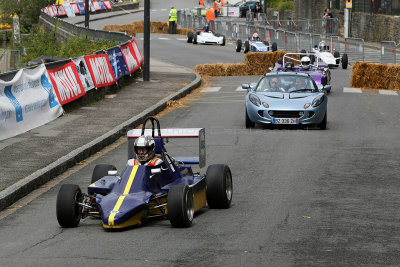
285,98
255,44
169,190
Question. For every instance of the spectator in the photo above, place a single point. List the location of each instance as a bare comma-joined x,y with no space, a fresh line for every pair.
172,20
328,14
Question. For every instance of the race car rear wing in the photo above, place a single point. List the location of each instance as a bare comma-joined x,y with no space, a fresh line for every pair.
171,134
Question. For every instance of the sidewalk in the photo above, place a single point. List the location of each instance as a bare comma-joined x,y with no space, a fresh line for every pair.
37,156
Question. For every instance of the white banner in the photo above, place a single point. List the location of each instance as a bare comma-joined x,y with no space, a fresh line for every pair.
231,11
84,73
68,9
26,102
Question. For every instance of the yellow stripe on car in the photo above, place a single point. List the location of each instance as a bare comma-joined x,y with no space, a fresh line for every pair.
121,198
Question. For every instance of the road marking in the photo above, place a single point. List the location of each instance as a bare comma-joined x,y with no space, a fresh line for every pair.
388,92
181,39
110,96
163,38
153,10
240,89
351,90
88,108
211,89
163,10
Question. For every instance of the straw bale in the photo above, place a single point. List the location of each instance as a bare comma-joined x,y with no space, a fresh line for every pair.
236,69
217,69
369,75
393,77
259,62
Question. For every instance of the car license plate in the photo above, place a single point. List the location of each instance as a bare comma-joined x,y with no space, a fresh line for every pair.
285,121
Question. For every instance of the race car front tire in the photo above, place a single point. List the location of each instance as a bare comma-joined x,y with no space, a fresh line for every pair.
322,125
249,123
274,47
219,186
336,54
246,46
238,45
223,40
68,211
190,37
195,39
345,61
100,171
180,206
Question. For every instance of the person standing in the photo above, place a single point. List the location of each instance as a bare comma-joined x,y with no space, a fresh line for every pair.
172,20
328,17
201,3
216,8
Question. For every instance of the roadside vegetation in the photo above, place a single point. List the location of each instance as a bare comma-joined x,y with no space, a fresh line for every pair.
281,5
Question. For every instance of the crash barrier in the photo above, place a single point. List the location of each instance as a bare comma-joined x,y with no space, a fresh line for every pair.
34,97
375,76
75,9
290,41
354,48
138,27
254,64
329,27
315,39
10,60
304,42
334,44
280,39
388,52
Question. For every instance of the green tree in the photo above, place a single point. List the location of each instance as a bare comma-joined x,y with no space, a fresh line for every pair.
27,10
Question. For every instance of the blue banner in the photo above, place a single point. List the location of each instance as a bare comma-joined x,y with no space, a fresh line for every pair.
117,62
81,8
103,7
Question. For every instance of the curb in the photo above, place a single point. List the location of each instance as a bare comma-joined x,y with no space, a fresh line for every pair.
26,185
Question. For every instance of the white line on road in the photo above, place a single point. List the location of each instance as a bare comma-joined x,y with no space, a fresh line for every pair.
211,89
351,90
240,89
181,39
388,92
163,38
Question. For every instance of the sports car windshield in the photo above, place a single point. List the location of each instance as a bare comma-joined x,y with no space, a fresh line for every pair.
286,84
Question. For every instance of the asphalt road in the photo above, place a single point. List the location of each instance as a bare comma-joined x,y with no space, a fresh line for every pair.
302,197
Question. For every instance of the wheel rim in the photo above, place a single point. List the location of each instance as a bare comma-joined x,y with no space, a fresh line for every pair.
78,208
189,206
228,183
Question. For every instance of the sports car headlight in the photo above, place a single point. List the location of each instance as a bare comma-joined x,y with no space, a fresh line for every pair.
255,100
317,101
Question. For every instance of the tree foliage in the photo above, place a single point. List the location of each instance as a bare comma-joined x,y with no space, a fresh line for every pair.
27,10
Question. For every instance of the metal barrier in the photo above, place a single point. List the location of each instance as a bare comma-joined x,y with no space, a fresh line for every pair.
388,52
315,39
261,33
250,30
218,27
242,34
280,39
10,60
270,33
304,42
189,21
334,44
354,48
291,41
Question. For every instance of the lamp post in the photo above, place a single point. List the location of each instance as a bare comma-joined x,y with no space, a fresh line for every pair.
146,41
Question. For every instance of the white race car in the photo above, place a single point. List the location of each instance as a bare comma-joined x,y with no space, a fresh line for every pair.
205,36
325,56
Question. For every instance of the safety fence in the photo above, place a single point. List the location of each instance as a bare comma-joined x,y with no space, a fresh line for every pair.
9,60
295,35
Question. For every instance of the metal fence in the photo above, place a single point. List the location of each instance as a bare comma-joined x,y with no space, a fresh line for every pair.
354,48
10,60
388,52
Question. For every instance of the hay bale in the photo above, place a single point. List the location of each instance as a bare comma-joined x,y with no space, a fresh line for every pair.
393,77
259,62
210,69
369,75
237,69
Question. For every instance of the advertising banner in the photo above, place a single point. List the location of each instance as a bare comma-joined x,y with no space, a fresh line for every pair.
66,83
117,62
84,74
107,3
52,11
100,69
103,7
61,11
138,55
96,5
68,9
75,8
91,7
26,102
81,7
130,60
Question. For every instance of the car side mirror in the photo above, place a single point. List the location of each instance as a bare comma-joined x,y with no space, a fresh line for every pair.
327,87
245,86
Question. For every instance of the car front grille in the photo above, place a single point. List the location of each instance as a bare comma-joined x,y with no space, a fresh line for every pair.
285,114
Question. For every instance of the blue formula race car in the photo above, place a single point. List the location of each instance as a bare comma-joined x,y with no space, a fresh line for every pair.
255,44
170,190
285,98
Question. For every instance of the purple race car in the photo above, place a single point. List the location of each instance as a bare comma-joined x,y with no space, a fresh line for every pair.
306,63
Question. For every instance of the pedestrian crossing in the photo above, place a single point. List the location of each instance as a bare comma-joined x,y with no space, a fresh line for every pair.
346,90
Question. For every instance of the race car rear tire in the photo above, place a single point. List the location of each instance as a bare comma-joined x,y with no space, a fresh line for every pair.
249,123
246,46
322,125
223,40
100,171
68,212
336,54
274,47
195,39
219,186
190,37
238,45
345,61
180,205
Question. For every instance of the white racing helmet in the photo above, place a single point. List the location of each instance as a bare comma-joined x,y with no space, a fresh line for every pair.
256,37
305,62
145,142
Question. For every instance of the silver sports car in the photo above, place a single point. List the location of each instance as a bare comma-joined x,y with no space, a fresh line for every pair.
286,98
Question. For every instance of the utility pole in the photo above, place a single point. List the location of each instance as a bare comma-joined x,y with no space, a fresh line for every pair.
87,14
146,41
265,7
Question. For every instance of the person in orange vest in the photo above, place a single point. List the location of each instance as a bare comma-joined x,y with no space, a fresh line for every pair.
210,15
216,8
201,3
222,3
